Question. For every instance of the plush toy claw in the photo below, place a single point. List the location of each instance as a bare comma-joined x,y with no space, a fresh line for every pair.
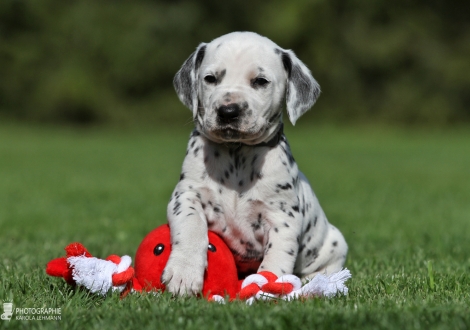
97,275
266,285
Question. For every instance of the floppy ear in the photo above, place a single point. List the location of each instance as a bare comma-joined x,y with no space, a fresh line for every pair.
185,81
302,89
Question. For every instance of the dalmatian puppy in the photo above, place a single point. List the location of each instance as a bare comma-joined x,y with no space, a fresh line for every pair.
239,178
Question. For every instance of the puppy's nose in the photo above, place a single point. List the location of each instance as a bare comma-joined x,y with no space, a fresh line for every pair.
228,112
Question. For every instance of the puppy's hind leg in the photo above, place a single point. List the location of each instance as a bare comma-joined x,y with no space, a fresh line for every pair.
332,255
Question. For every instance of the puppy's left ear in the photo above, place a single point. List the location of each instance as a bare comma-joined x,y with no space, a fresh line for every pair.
185,81
302,89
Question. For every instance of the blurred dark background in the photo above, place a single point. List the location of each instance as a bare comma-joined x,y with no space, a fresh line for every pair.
95,62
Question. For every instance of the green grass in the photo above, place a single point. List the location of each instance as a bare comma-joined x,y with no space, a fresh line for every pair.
401,198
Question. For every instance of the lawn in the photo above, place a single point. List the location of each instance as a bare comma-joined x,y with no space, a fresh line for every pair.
400,197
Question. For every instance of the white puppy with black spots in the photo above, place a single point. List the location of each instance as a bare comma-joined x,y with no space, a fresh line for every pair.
239,178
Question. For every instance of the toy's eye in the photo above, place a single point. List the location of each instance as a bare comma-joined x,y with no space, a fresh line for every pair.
158,249
210,79
211,248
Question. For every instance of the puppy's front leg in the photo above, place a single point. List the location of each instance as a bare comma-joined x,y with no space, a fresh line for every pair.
184,271
282,247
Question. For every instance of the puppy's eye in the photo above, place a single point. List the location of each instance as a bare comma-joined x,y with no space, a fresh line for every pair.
211,248
210,79
259,82
158,249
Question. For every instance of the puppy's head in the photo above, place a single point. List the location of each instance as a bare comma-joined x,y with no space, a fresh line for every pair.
236,85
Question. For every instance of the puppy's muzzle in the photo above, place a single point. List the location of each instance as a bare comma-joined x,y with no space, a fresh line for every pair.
229,113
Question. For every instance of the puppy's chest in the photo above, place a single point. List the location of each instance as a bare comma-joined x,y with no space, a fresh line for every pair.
241,221
233,196
239,188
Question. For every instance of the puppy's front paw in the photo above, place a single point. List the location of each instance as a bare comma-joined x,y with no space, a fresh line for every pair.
184,275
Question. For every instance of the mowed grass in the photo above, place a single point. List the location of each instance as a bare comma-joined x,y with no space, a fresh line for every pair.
400,197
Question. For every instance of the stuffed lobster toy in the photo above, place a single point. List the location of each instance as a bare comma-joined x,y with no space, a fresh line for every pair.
115,273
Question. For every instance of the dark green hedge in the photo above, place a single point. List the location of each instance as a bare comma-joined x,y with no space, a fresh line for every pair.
97,61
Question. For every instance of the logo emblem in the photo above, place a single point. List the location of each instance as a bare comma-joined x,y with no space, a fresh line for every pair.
7,311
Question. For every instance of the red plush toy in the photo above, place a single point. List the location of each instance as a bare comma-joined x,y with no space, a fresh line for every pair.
80,268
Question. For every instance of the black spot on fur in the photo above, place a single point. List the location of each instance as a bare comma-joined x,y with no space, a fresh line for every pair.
291,159
276,230
176,207
199,57
220,76
181,176
291,252
312,252
286,224
335,243
308,227
196,151
285,186
203,206
226,174
295,208
216,154
274,117
240,183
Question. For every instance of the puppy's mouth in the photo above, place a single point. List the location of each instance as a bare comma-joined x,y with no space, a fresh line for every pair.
232,134
228,133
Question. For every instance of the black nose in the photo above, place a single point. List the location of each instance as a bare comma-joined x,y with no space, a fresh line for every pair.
228,112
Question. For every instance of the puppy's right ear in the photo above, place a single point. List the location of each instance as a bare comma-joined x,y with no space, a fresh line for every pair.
185,80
